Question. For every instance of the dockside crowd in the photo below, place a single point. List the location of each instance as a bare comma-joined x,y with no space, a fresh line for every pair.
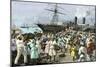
50,47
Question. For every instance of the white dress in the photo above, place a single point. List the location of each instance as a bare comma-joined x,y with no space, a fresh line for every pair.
47,47
38,46
52,52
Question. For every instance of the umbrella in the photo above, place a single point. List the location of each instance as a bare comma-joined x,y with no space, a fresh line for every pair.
30,30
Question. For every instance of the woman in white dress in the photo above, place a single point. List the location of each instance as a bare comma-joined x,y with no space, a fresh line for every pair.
38,46
52,52
47,47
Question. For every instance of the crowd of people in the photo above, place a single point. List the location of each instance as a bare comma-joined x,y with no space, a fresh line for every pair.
79,45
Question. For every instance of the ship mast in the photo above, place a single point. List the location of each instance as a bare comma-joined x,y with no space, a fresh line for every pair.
55,17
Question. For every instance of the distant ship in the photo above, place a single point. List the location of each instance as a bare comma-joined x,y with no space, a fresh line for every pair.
51,28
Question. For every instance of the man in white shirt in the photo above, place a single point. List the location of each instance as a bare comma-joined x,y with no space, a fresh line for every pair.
82,52
20,49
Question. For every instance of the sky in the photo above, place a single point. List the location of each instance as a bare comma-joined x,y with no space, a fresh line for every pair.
34,12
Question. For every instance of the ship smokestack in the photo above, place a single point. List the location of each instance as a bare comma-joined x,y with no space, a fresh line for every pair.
84,19
75,20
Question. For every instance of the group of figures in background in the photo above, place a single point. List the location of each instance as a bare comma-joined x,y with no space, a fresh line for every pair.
76,46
